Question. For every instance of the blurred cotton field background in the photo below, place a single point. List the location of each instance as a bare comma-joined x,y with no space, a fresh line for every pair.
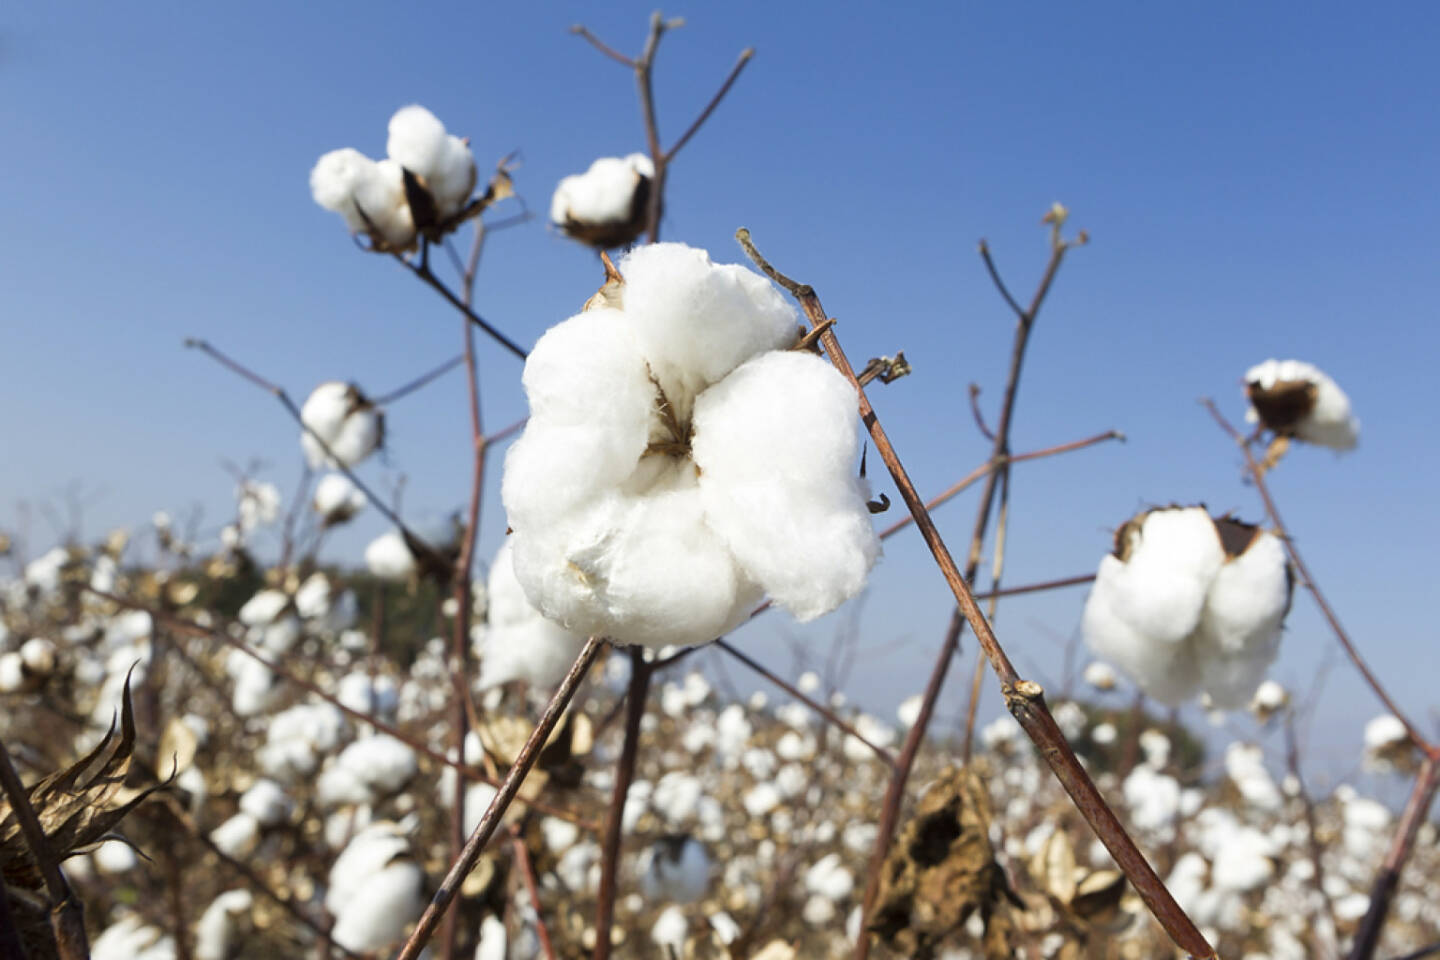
254,607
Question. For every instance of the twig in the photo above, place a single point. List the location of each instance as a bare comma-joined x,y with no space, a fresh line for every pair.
1417,807
699,121
640,672
301,499
67,914
527,873
1025,699
420,381
600,45
830,716
975,412
1257,475
422,270
290,407
524,760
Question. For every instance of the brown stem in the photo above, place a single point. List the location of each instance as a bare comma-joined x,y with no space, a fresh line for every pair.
1024,698
830,716
527,873
699,121
1417,807
977,677
1257,475
422,270
67,914
640,672
524,761
600,45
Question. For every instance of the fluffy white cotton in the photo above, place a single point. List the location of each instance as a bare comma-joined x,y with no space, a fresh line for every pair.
341,417
1100,676
366,771
675,868
216,932
267,802
369,195
660,522
1269,698
1153,799
388,558
603,197
263,608
376,915
335,180
237,836
518,642
258,505
38,656
670,931
337,499
1384,732
298,737
419,143
377,695
115,856
1179,615
1328,423
131,938
1245,766
829,878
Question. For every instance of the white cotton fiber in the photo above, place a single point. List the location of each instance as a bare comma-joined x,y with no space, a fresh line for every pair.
518,642
215,934
416,140
1239,635
808,541
337,499
388,558
603,194
1165,671
1175,554
338,416
1329,423
695,321
238,836
336,178
381,909
267,802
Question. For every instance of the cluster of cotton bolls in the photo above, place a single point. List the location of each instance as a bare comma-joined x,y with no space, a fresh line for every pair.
422,188
1188,603
680,463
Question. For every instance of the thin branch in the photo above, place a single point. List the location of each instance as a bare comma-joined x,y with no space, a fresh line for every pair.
603,47
1258,476
1417,807
67,914
422,270
699,121
524,761
527,873
1025,699
999,283
640,673
975,412
425,378
830,716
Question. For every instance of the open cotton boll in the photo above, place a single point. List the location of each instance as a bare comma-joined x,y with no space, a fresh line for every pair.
237,837
1166,672
216,933
808,541
1239,634
258,505
337,499
416,140
670,931
1292,398
380,910
519,643
131,938
267,802
829,878
388,558
341,417
374,846
675,868
1245,766
1170,557
454,177
263,609
335,180
606,205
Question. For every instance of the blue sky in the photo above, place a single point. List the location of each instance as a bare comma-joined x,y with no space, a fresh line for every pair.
1258,180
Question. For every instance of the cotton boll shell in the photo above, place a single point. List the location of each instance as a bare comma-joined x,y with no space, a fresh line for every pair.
453,179
809,542
267,802
367,853
696,321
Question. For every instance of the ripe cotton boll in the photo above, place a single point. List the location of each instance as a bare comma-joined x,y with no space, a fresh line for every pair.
388,558
341,418
670,931
216,933
267,802
1269,699
335,179
518,643
1239,635
636,494
443,162
675,868
1292,398
378,912
606,205
337,499
258,505
237,836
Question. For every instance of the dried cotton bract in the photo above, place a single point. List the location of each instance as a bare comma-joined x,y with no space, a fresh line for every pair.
679,463
1187,603
606,205
423,187
1296,399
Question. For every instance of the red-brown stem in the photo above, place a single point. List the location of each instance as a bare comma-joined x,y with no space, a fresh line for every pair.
527,873
524,761
640,672
1383,890
1025,699
67,917
422,270
829,715
1257,475
279,669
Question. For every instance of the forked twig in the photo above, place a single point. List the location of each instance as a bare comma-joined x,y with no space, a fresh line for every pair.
1025,699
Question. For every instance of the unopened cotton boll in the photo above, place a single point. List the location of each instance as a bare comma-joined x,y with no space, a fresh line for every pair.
1292,398
337,499
606,206
338,416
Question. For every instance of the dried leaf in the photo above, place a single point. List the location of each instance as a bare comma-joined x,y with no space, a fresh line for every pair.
1054,867
1097,899
177,747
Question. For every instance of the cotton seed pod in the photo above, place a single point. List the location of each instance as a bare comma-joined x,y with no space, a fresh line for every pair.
607,205
337,499
339,416
1291,398
1186,603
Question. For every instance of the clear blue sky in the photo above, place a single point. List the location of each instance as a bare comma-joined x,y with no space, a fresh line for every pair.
1258,180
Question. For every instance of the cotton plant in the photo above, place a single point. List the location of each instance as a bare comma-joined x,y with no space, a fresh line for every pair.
606,206
423,187
680,463
337,500
1296,400
341,425
1188,603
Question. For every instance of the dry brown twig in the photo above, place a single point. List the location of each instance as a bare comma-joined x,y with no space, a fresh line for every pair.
1025,699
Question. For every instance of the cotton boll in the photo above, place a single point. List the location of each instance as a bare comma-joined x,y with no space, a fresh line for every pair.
760,799
696,321
263,608
1153,799
237,837
1388,746
829,878
368,852
1174,555
417,140
1100,676
378,913
365,771
1294,398
12,672
1245,766
808,541
453,180
1269,698
377,695
131,938
342,418
388,558
909,710
1239,634
675,868
267,802
337,499
606,205
114,856
336,178
519,643
258,505
492,940
670,931
1243,863
255,687
216,933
